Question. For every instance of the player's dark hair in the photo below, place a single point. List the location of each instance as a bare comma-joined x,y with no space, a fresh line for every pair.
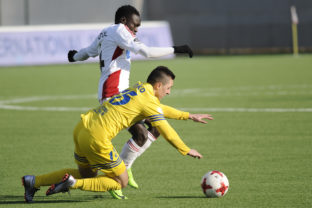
125,11
160,74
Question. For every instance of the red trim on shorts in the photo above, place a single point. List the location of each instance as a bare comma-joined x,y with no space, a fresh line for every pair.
110,86
118,51
133,35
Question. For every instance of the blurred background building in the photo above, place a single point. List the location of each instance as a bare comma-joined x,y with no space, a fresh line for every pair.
209,26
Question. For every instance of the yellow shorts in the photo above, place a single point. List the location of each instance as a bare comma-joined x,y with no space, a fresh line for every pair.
97,153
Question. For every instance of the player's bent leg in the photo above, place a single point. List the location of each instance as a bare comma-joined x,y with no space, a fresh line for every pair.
33,183
153,130
55,177
122,179
139,133
140,141
98,184
131,149
67,182
102,156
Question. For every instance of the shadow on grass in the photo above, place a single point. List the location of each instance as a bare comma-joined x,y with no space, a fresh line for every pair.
12,199
180,197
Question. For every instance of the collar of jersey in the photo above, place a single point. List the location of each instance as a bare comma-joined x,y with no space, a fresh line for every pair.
149,89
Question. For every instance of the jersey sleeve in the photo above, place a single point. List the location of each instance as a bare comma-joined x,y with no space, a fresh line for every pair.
153,111
126,40
170,112
172,137
90,51
154,52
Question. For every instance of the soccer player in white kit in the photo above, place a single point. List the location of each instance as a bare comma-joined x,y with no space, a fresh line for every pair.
113,46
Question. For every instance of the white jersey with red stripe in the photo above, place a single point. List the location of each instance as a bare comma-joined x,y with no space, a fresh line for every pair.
113,46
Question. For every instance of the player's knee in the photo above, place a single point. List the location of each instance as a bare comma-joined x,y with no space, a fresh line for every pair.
124,183
139,134
122,179
154,131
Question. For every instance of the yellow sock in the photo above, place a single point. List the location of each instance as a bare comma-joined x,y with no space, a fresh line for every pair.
99,183
55,177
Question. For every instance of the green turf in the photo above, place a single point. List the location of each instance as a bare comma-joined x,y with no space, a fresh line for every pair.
266,155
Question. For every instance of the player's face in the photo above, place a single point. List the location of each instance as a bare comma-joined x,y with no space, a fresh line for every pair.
164,89
133,23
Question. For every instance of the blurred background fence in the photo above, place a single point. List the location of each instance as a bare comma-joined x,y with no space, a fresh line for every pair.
209,26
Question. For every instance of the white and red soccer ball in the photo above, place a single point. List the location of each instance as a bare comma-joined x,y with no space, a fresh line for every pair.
215,184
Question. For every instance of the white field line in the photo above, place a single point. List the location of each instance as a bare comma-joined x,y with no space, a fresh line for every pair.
43,98
254,110
303,89
206,110
235,91
5,104
31,108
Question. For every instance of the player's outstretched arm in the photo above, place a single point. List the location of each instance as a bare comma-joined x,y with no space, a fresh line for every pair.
194,153
82,54
172,113
199,117
85,53
154,52
173,138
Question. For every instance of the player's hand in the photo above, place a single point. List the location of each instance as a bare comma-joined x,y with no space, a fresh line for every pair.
183,49
199,117
194,153
70,55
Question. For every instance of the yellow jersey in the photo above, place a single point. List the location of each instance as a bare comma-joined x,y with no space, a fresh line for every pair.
129,107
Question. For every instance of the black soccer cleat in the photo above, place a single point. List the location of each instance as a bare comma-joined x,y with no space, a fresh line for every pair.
63,186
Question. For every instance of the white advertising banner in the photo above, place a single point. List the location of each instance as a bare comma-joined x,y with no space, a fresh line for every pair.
39,45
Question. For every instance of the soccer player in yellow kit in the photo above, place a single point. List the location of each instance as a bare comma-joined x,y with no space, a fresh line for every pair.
93,134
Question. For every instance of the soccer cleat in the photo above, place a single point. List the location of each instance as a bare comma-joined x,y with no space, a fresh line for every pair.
117,194
131,180
29,185
63,186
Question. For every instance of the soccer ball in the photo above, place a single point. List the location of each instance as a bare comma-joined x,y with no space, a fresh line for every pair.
215,184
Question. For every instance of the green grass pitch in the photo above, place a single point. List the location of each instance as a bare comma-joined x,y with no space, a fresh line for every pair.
261,137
